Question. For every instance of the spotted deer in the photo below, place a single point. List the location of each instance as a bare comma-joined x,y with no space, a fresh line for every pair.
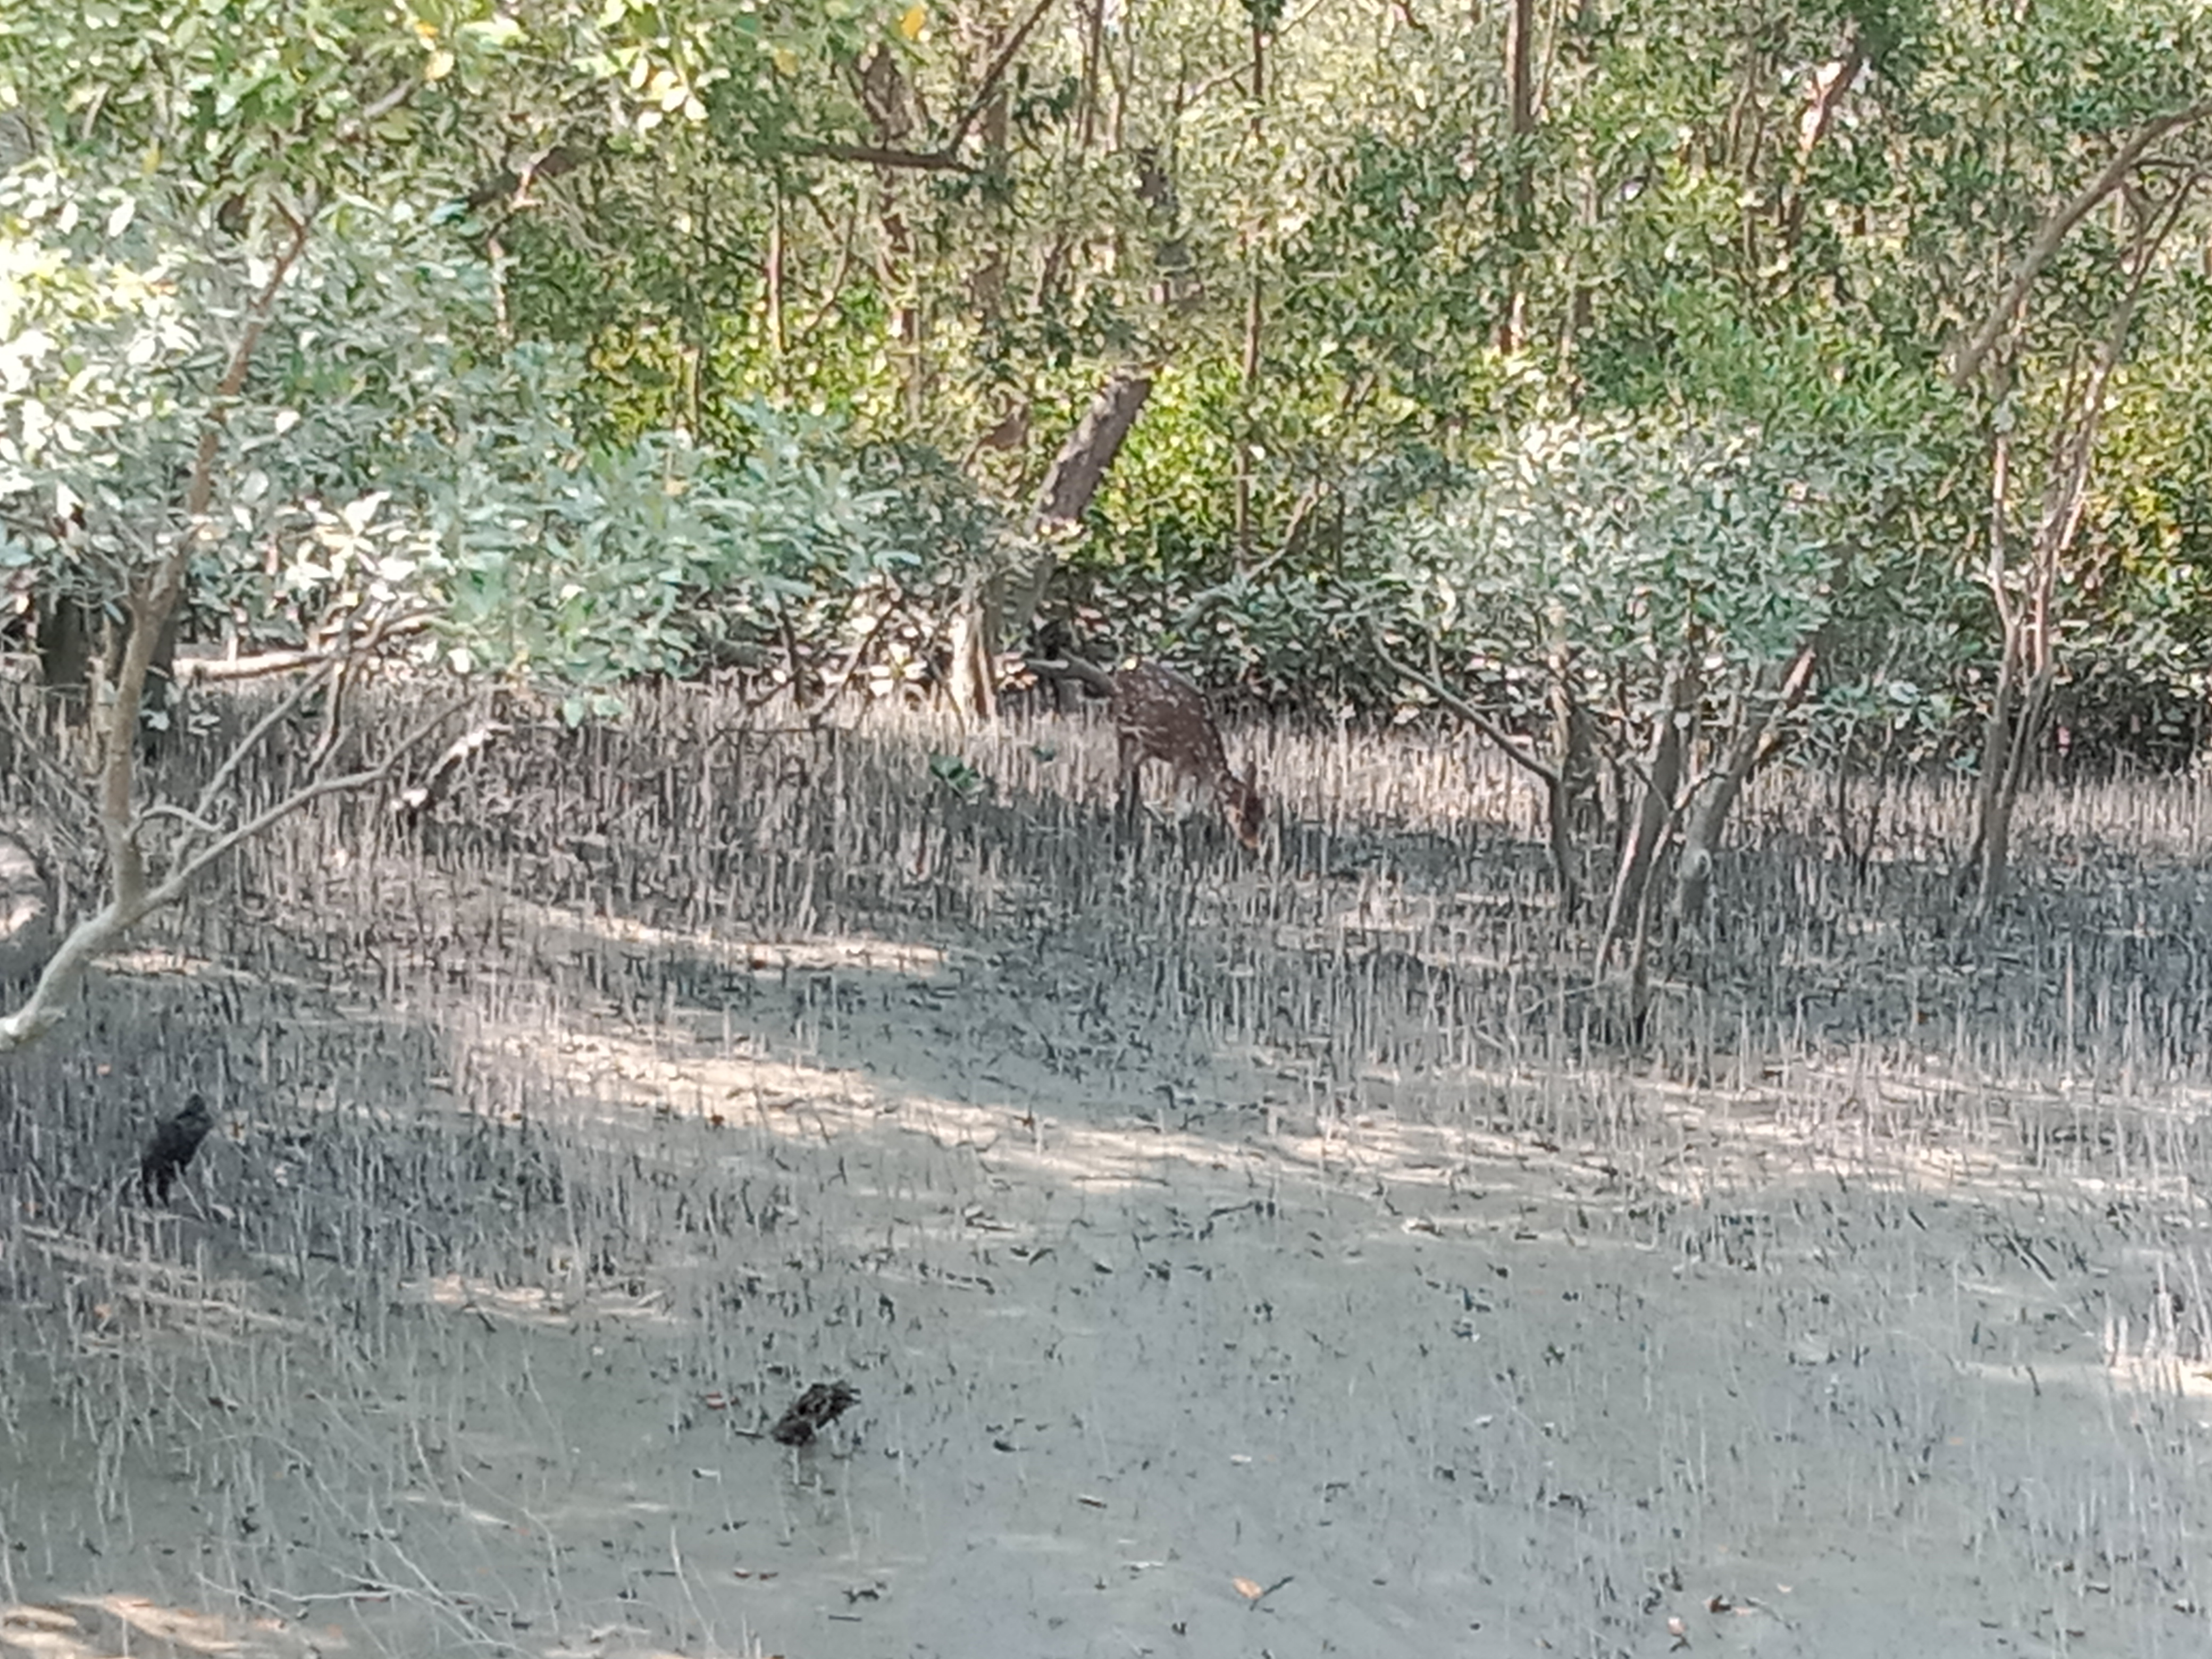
1159,715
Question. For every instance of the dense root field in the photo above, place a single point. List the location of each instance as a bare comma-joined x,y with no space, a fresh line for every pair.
1232,1256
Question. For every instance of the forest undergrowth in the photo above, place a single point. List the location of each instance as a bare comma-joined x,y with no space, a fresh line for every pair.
566,1134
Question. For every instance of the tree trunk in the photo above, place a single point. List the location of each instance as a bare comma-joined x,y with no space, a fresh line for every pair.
69,634
2029,613
972,679
2028,601
1081,466
1717,796
1571,806
65,632
1678,703
1566,861
1076,473
1520,163
2015,732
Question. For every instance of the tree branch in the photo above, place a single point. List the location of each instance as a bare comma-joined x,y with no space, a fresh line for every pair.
2068,488
1830,85
945,158
229,670
181,877
991,76
884,155
1188,96
2055,229
378,108
246,744
1515,752
66,969
153,603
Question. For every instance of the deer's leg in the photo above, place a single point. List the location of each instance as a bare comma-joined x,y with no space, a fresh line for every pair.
1129,805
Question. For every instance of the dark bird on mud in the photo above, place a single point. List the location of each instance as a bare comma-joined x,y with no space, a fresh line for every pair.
170,1153
817,1408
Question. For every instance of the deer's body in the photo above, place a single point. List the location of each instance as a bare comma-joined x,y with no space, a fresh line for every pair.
1159,715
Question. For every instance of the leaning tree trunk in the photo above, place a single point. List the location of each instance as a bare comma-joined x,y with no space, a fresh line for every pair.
1716,797
1081,466
1678,703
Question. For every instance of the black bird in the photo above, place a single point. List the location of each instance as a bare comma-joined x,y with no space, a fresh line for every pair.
170,1153
817,1408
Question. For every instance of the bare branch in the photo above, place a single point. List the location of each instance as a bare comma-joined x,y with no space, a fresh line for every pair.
165,809
1831,82
992,75
326,740
885,156
91,938
410,803
2069,494
2000,491
262,728
376,109
228,670
41,1013
1794,685
549,163
2055,229
181,877
1515,750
